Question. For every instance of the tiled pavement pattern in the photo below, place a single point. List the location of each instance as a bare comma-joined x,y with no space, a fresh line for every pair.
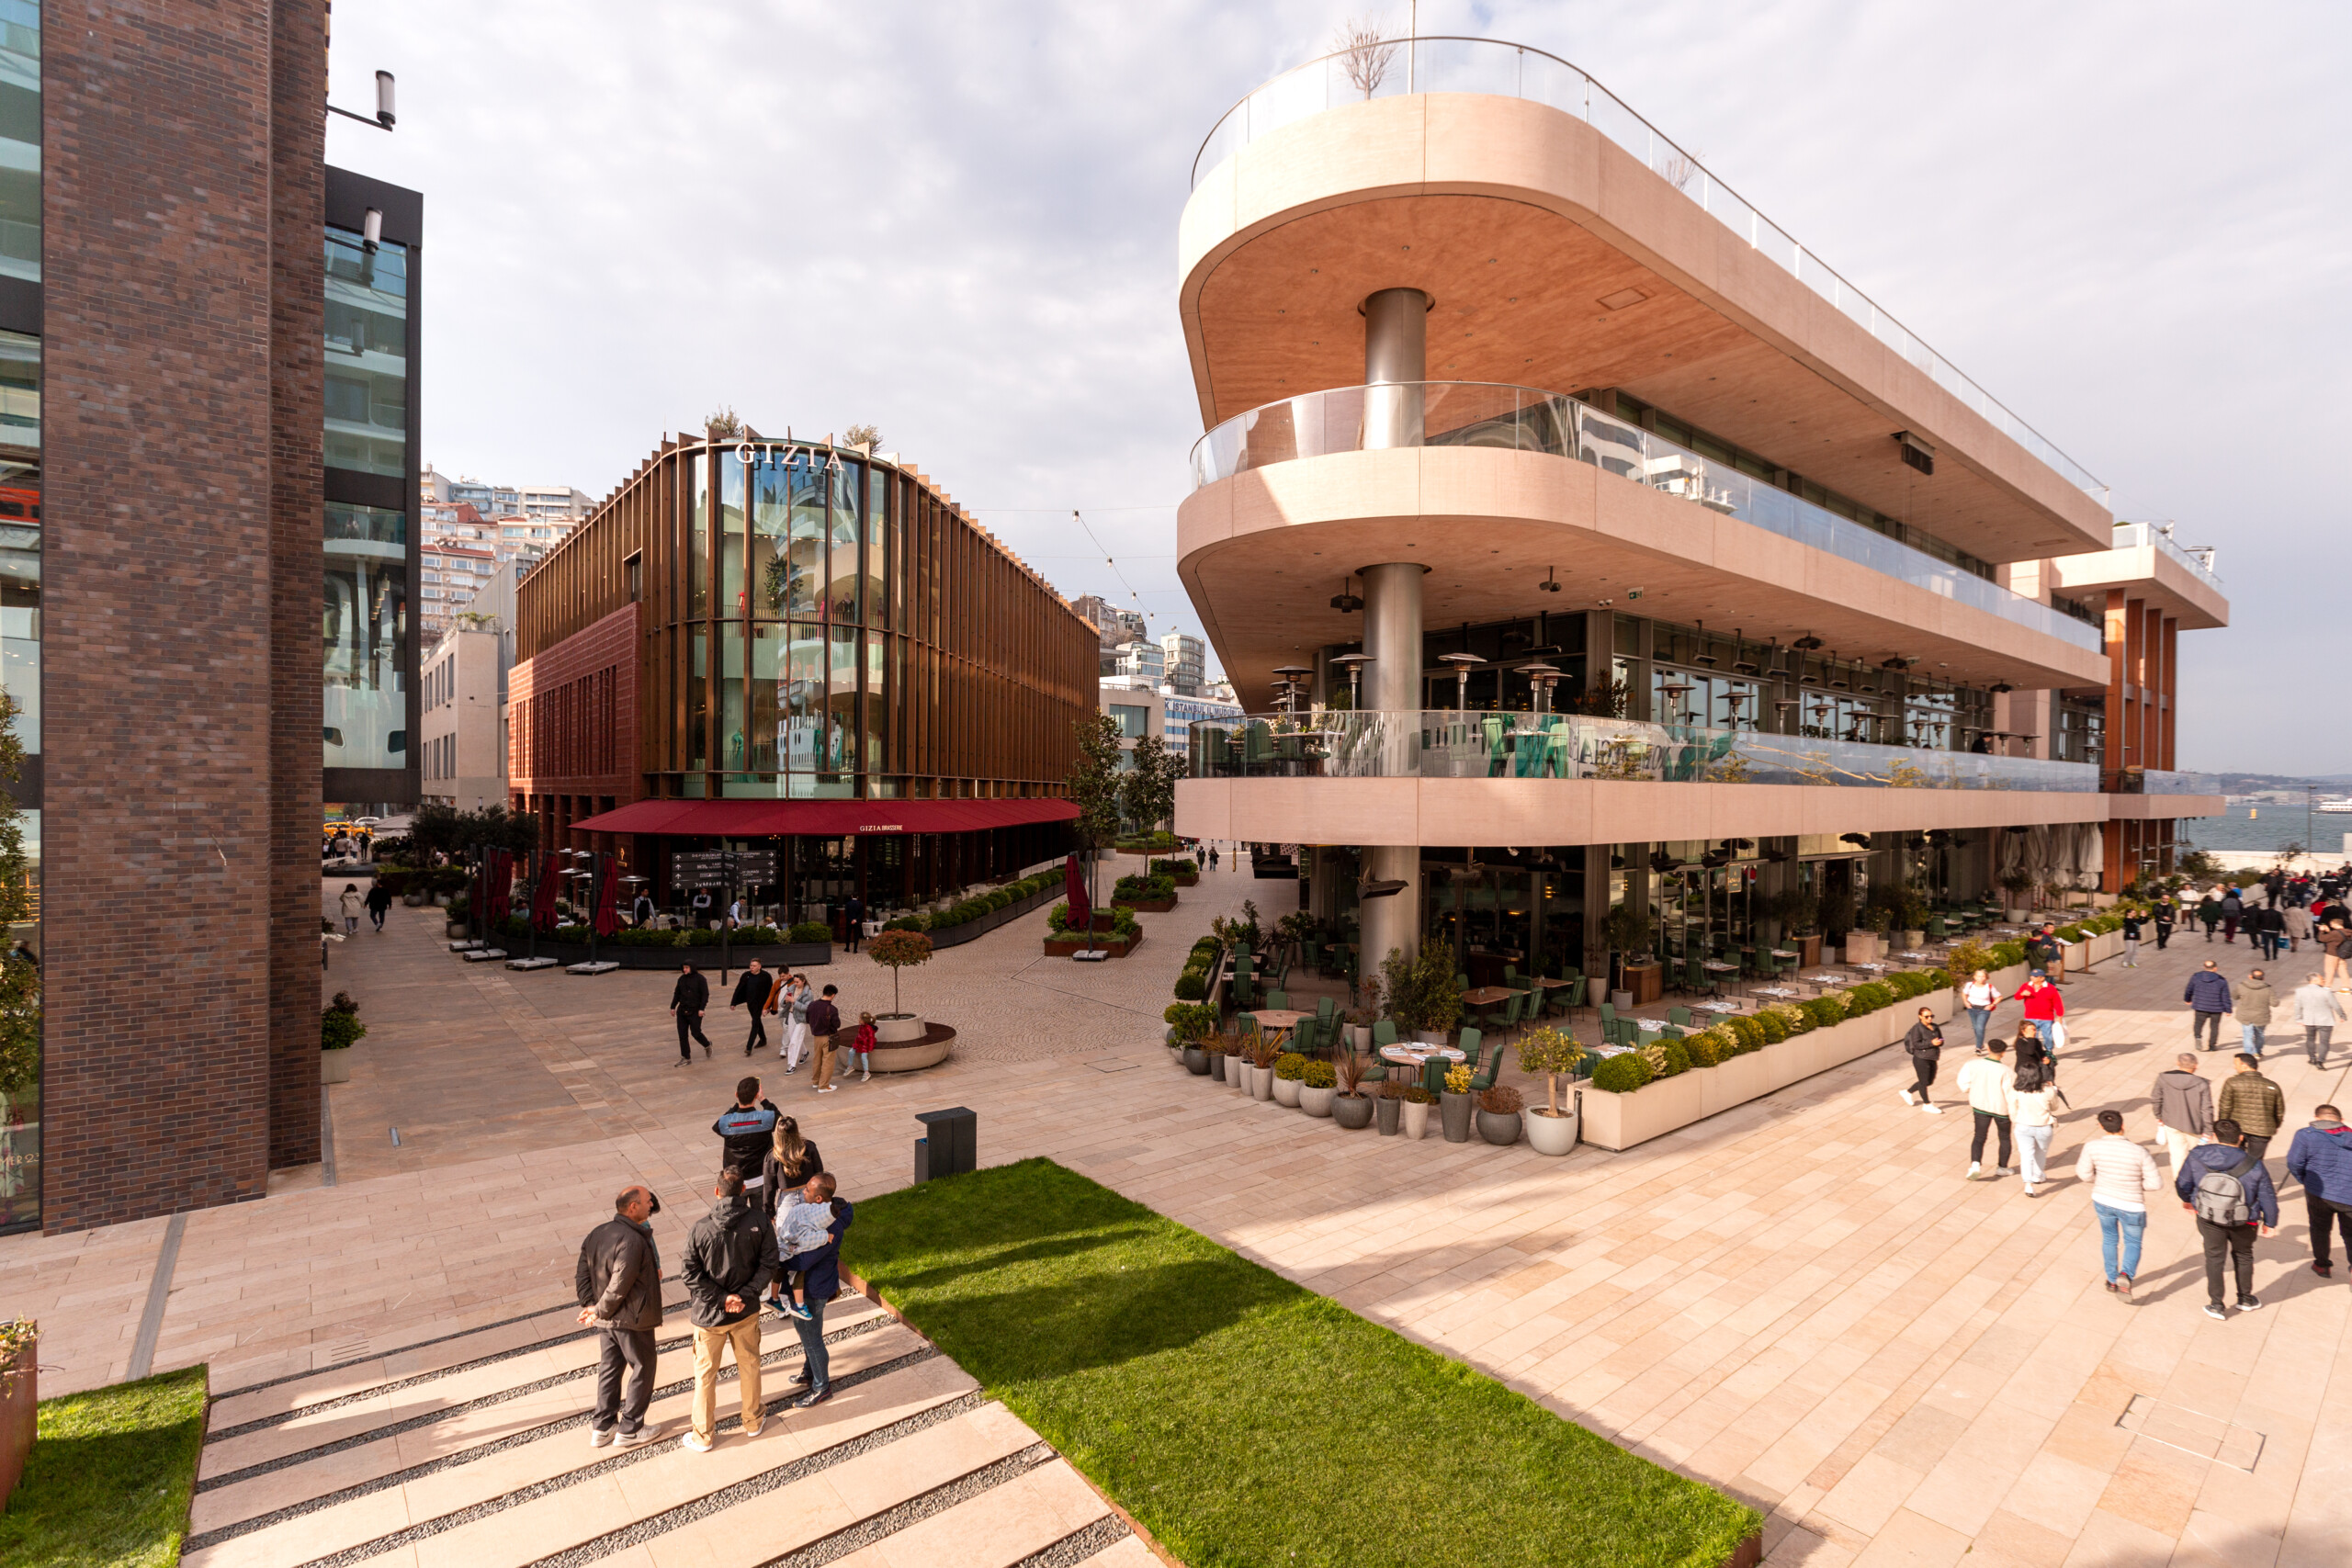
1802,1301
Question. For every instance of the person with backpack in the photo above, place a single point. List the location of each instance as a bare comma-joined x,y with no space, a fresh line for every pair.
2120,1173
2233,911
743,1130
2320,1158
2229,1190
2252,1101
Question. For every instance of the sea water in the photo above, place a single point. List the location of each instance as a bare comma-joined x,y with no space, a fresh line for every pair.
2271,828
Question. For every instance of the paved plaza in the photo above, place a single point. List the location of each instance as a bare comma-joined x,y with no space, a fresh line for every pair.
1802,1301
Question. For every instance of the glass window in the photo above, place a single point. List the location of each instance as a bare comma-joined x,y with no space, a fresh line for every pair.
804,698
366,342
20,523
365,634
768,687
733,724
698,707
843,720
843,588
1133,722
20,139
771,528
804,577
874,758
698,556
732,599
877,515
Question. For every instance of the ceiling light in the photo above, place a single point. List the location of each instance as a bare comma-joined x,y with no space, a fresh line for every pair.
1621,299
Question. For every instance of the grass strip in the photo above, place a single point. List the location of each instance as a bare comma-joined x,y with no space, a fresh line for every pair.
108,1482
1243,1419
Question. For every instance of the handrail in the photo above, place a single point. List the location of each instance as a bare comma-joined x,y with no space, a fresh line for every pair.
2131,536
1527,419
1580,95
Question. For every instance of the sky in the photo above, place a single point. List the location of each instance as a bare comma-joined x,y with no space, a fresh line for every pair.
2130,222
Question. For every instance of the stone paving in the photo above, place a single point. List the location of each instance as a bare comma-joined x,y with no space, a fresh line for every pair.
1803,1301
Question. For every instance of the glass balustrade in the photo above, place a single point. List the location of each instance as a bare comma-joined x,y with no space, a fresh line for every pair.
1509,70
2152,780
1470,744
1480,413
2134,535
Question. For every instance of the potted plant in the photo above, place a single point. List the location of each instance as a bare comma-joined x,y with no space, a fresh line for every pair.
1289,1069
1422,993
896,951
2016,882
1552,1053
1353,1109
1416,1115
1387,1109
1454,1105
1498,1115
339,1028
19,1399
1318,1085
1262,1054
1214,1047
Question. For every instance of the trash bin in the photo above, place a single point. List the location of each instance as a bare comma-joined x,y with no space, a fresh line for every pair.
950,1145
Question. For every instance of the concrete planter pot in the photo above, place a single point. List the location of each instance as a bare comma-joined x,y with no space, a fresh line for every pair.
1196,1061
1285,1091
1549,1134
19,1401
1913,941
1453,1113
1216,1065
335,1067
1387,1113
897,1028
454,930
1261,1083
1429,1036
1353,1111
1416,1119
1499,1128
414,900
1317,1101
1360,1034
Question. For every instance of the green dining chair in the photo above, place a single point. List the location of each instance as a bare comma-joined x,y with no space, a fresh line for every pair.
1383,1034
1308,1038
1678,1015
1433,1075
1576,992
1483,1079
1470,1042
1279,1000
1324,1007
1608,1018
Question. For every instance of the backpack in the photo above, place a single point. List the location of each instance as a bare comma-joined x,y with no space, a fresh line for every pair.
2221,1196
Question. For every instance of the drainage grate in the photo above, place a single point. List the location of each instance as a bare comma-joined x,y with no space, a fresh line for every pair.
2190,1431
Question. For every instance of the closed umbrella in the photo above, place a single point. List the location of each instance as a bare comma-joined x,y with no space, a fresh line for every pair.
543,893
502,885
607,905
1081,911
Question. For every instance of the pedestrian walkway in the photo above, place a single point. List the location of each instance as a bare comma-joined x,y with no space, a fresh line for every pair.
1802,1301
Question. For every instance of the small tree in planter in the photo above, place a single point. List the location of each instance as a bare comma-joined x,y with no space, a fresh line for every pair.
896,951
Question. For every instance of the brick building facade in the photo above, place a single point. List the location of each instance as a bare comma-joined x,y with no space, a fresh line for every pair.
572,724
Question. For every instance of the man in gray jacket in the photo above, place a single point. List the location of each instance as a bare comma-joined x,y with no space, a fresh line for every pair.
618,1282
731,1257
2254,999
2184,1103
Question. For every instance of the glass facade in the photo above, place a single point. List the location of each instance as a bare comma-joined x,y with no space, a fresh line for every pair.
366,357
20,629
365,636
20,139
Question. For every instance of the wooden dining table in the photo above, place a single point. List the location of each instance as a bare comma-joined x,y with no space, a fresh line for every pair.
1489,996
1277,1021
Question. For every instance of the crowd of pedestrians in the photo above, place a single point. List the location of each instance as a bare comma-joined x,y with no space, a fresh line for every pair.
810,1019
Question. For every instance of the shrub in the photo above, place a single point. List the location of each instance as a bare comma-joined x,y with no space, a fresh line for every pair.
1773,1028
1824,1010
1704,1050
1552,1052
904,923
1795,1020
1290,1065
1622,1074
810,931
2008,954
339,1025
1868,996
1501,1101
1193,1022
1674,1058
1417,1094
1191,986
1319,1075
1748,1031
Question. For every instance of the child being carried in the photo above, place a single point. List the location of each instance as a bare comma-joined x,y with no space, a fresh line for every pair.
802,1225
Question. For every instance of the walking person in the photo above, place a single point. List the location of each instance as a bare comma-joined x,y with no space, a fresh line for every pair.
2336,946
2041,1002
2208,996
2122,1175
688,997
379,898
2295,919
618,1282
2270,927
2229,1190
2319,1012
1213,857
1986,1081
824,1023
856,910
796,1029
1978,998
2184,1106
2166,917
1923,1041
2252,1101
2208,912
2250,1007
730,1255
751,989
744,1129
2031,1093
2131,939
2320,1158
820,1282
791,1161
2233,911
351,904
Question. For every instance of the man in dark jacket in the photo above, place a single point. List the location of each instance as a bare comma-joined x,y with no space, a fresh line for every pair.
824,1023
2227,1155
730,1255
2320,1158
746,1128
753,988
2208,996
379,898
618,1282
1924,1043
688,997
820,1271
853,911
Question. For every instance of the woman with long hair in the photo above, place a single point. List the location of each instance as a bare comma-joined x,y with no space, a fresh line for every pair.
2031,1092
791,1161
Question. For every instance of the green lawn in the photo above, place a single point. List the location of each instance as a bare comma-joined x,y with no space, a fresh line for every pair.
1243,1419
108,1482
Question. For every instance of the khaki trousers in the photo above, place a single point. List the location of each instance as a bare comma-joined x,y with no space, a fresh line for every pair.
2177,1146
709,1342
824,1048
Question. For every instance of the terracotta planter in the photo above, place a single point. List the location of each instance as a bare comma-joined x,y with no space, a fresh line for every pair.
1387,1111
18,1417
1499,1128
1353,1111
1416,1119
1285,1091
335,1067
1548,1134
1454,1113
1317,1101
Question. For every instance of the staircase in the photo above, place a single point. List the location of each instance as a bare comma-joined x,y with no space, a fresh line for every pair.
471,1451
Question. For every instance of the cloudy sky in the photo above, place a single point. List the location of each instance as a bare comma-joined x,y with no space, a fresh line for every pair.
2131,222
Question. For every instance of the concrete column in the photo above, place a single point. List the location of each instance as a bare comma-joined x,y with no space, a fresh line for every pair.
1392,685
1396,362
1394,921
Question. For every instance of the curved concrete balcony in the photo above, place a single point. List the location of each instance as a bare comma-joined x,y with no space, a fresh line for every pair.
1565,240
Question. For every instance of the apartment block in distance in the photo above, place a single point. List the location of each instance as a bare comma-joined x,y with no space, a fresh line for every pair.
1629,557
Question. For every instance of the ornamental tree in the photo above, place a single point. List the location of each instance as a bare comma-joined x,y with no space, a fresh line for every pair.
896,951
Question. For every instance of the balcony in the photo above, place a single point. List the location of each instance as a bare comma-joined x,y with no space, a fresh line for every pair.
1479,413
1454,64
2140,535
1455,744
2151,780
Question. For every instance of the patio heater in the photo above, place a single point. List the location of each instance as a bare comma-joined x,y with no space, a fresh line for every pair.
1461,663
1355,663
1290,674
1542,677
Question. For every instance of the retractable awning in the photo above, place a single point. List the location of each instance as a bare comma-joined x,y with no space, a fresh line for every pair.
821,818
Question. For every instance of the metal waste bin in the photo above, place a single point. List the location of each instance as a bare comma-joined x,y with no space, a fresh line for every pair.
951,1144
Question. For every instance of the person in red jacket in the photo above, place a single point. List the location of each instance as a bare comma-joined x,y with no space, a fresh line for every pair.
2042,1003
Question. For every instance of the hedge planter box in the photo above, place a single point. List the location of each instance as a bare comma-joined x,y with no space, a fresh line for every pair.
1149,905
1064,946
1184,878
19,1402
966,931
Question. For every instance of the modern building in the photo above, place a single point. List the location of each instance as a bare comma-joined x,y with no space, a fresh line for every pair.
1183,664
1117,626
461,759
1136,706
785,644
1631,557
555,503
189,295
1140,660
1182,713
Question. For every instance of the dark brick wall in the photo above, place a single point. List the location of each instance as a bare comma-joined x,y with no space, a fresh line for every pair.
572,713
163,594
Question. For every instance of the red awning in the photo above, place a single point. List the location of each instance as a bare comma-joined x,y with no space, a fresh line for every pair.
821,818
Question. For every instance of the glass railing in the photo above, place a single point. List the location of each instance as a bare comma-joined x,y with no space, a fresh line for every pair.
1456,744
2132,535
2152,780
1482,413
1511,69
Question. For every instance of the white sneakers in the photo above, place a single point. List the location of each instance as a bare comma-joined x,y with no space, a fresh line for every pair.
696,1442
1974,1170
600,1439
1933,1109
1909,1099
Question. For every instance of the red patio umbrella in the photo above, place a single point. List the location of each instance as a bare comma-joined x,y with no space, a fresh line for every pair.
607,880
543,893
502,884
1081,912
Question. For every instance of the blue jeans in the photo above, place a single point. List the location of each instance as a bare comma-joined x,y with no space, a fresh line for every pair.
1977,1019
811,1330
2130,1221
2250,1039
